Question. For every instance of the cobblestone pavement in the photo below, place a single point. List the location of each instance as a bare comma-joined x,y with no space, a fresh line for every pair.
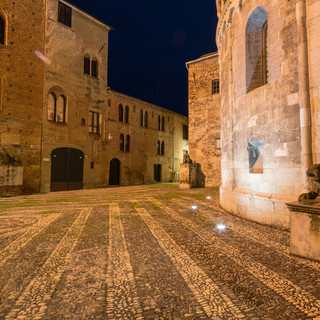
143,253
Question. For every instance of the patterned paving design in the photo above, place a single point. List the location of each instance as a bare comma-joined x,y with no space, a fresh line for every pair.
143,253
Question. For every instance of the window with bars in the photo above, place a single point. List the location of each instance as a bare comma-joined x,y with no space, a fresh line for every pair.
64,14
94,122
2,30
215,86
185,134
56,108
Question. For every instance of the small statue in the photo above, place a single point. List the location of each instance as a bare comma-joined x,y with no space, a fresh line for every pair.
186,158
313,174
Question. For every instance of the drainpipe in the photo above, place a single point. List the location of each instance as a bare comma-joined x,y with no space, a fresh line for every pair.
305,110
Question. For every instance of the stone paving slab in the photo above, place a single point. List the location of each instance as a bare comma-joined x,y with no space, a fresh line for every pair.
141,252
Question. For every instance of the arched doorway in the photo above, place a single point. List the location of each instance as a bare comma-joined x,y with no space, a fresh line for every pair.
66,169
114,173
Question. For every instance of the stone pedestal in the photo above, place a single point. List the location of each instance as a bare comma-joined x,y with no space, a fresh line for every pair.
11,179
305,229
191,176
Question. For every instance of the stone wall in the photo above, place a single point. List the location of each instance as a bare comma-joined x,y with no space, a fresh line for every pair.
269,114
21,85
204,117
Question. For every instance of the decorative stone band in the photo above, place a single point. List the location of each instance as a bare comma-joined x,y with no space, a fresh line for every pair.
296,206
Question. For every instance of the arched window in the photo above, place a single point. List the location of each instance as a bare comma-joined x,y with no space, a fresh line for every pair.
162,124
94,68
127,146
127,114
120,113
158,147
159,123
56,108
2,30
162,147
141,118
257,49
60,109
86,65
121,142
146,119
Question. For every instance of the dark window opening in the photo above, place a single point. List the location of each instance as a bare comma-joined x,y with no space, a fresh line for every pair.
127,114
159,123
94,68
94,122
185,132
121,142
83,122
215,86
162,147
127,145
64,14
158,147
141,118
162,124
92,165
2,30
146,119
86,65
120,113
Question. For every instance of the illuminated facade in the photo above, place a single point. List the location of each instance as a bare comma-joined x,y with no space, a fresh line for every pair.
58,115
270,103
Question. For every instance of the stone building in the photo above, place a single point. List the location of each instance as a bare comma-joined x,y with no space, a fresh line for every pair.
204,116
270,101
58,116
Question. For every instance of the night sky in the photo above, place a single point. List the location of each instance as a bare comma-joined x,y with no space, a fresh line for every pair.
151,42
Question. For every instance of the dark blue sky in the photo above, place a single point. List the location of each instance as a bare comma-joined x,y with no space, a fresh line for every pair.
151,42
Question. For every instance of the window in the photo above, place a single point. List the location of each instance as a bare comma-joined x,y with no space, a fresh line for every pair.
146,119
56,108
265,67
185,132
86,65
2,30
162,124
64,14
126,114
94,68
255,149
215,86
109,102
127,146
94,122
162,147
257,72
121,142
120,113
141,118
1,90
159,123
158,147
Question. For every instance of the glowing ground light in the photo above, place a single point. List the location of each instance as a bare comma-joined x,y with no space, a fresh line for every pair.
208,197
194,207
221,226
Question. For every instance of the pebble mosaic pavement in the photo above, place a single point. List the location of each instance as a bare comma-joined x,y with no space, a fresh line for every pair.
142,253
